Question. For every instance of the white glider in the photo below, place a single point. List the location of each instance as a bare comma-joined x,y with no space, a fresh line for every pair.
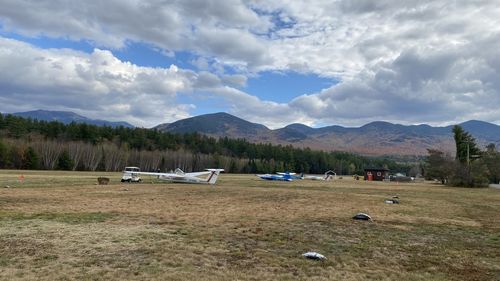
329,175
179,176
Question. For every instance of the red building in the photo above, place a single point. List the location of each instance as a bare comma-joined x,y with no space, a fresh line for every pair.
376,174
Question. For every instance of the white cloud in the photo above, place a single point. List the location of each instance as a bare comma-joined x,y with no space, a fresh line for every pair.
97,85
403,61
236,80
170,25
418,86
272,114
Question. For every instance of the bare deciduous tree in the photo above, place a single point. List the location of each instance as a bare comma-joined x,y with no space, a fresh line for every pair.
91,156
114,158
49,152
76,153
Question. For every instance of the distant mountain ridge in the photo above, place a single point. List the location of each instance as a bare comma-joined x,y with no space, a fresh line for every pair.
375,138
67,117
215,124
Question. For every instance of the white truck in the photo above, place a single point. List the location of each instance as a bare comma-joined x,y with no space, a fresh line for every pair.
130,174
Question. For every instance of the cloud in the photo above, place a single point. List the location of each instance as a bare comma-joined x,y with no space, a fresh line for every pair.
97,85
335,39
407,61
420,85
236,80
234,47
272,114
226,26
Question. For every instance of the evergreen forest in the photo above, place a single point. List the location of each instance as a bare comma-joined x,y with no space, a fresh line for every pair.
34,144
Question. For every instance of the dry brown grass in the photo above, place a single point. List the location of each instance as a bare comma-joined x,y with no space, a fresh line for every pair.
62,225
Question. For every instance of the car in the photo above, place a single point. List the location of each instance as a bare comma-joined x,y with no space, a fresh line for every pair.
129,174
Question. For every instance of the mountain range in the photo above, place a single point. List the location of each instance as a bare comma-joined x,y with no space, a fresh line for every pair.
375,139
67,117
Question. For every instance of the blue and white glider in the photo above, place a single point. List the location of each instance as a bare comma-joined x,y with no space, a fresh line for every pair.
280,177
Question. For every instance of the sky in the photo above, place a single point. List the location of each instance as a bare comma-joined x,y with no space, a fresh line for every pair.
324,62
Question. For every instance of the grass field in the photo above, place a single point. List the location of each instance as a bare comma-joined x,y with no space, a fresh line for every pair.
61,225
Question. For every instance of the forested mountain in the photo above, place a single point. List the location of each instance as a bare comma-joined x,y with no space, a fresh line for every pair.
67,117
375,139
220,124
32,144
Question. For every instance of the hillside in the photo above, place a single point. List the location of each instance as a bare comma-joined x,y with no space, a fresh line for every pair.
373,139
376,138
29,144
67,117
219,125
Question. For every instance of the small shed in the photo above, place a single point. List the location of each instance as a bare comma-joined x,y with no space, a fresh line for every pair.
376,174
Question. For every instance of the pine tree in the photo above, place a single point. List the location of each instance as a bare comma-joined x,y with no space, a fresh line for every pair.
31,160
468,173
4,153
65,162
465,145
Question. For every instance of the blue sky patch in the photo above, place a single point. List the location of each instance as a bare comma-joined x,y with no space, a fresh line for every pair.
205,102
284,86
140,54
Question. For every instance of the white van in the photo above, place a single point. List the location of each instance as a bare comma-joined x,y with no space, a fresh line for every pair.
129,174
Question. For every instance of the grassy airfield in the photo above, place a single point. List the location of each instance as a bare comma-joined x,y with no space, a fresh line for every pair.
61,225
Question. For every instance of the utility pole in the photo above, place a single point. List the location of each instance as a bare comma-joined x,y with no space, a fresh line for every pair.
469,157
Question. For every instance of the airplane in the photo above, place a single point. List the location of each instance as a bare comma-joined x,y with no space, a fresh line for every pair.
329,175
280,177
178,176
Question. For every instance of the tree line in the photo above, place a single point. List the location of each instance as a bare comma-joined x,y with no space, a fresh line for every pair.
34,144
471,166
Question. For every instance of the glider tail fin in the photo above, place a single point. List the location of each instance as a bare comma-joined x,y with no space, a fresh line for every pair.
214,174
